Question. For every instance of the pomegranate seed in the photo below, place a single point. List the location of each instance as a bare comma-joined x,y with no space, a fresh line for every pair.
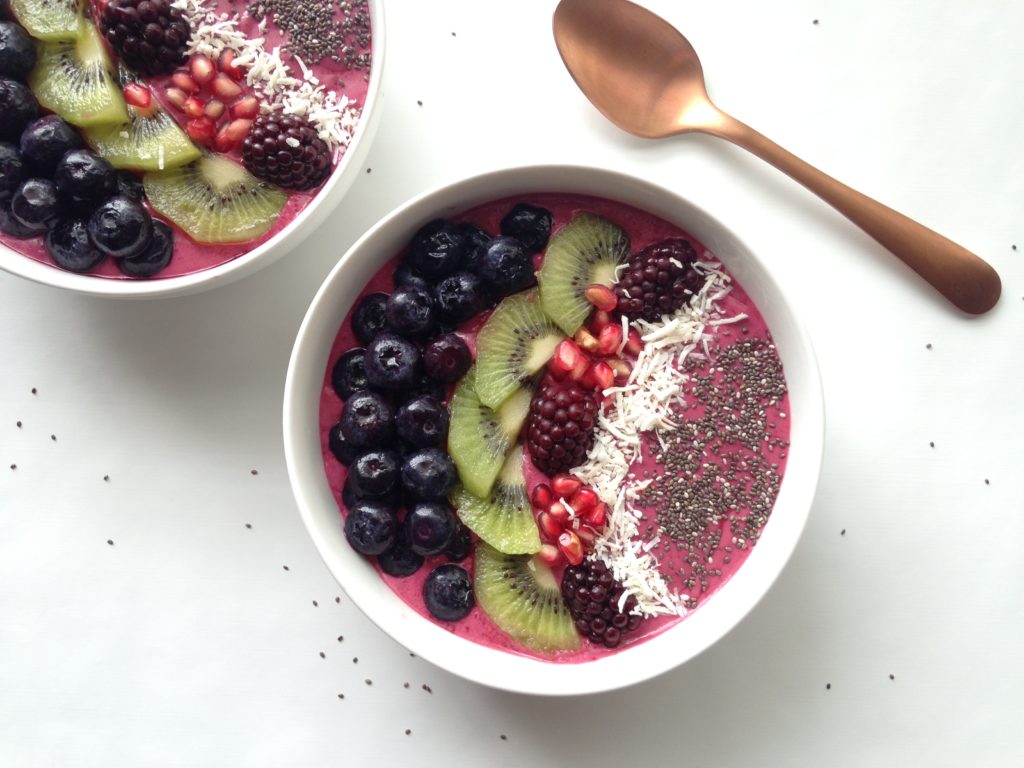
214,109
201,129
586,340
620,368
584,500
598,516
571,547
549,555
587,536
224,87
238,129
246,108
201,68
601,296
194,107
559,513
580,369
176,96
565,485
184,81
138,95
228,66
599,320
609,340
541,497
550,527
634,344
566,358
600,376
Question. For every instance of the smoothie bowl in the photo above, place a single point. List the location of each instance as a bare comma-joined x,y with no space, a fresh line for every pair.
157,147
554,429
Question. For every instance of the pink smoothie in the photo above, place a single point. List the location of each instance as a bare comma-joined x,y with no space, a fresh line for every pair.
191,256
724,540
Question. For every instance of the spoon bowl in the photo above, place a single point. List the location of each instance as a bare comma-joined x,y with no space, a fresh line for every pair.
645,77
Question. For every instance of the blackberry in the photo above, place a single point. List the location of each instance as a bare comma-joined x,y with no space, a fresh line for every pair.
150,36
658,280
593,597
560,425
286,150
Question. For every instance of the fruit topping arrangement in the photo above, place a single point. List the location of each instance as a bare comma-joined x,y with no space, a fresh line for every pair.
499,423
174,125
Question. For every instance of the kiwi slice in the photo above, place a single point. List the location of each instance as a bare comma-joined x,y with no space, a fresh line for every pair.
215,200
479,438
504,518
515,342
72,78
49,19
150,141
583,252
521,596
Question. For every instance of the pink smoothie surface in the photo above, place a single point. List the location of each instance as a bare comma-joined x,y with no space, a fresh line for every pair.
191,256
642,229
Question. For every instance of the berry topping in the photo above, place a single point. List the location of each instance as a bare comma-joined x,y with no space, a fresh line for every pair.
349,373
428,473
529,224
284,149
69,246
476,242
17,106
151,36
658,280
155,257
12,170
410,311
342,449
17,53
374,473
460,546
594,597
422,422
11,226
44,142
121,227
84,178
369,319
129,185
367,420
507,266
459,296
400,560
36,204
447,358
436,249
370,526
430,526
448,593
559,429
392,362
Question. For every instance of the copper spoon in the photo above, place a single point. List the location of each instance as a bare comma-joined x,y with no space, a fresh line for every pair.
645,77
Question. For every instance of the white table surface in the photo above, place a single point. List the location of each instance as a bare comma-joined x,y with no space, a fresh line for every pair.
177,614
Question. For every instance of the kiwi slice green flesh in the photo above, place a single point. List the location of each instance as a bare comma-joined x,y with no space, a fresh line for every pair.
521,596
146,143
479,438
49,19
583,252
73,78
215,200
515,342
504,519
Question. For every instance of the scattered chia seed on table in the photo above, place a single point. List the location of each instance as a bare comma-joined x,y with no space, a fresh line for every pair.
316,31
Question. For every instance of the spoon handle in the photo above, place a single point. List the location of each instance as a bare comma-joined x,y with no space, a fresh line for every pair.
967,281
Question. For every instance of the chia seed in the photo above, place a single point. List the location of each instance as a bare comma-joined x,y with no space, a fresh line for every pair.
339,31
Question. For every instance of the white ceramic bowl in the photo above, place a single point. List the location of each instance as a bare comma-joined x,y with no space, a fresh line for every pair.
462,657
267,252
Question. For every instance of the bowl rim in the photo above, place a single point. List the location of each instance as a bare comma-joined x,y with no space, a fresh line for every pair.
267,252
497,668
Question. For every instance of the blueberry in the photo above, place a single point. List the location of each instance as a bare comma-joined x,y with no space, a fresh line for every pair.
477,240
459,296
370,526
460,546
529,224
349,373
350,496
428,473
507,267
129,185
400,560
11,226
44,142
374,473
12,170
403,275
410,312
84,179
430,525
18,106
342,449
392,362
428,387
367,420
436,249
447,358
36,204
17,53
369,318
422,422
69,245
121,227
157,255
448,593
